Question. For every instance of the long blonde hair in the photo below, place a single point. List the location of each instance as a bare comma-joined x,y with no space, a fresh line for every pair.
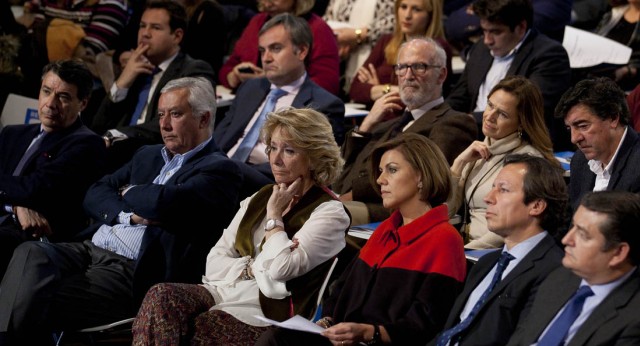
435,29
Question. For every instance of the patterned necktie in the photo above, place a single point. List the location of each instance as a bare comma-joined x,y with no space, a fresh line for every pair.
399,126
143,97
35,145
453,335
250,140
558,331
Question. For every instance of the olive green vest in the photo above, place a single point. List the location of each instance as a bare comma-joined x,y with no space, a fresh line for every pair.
304,289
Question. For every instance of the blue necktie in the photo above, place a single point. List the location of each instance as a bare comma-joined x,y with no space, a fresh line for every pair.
453,334
35,145
250,140
143,96
558,331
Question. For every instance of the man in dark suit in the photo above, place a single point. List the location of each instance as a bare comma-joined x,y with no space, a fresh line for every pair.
127,117
525,206
602,253
156,218
421,71
510,46
284,42
46,168
596,112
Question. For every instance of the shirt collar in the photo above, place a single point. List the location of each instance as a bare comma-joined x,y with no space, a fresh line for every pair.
515,49
166,155
524,247
418,227
605,289
596,166
418,112
292,88
165,64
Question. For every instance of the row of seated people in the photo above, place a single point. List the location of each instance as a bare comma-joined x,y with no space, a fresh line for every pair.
421,79
509,30
153,224
453,133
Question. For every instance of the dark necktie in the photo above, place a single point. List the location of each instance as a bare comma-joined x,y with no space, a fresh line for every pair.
143,97
404,120
35,145
558,331
454,333
250,140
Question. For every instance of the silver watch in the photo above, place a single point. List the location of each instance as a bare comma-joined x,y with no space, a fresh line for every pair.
273,223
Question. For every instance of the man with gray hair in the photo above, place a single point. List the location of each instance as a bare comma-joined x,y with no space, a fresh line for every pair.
421,70
149,218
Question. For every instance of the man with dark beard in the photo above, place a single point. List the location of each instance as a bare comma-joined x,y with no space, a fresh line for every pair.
421,70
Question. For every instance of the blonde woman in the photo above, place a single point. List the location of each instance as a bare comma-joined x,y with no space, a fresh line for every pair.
413,18
272,258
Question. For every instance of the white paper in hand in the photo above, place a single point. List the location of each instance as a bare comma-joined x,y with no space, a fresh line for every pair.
296,322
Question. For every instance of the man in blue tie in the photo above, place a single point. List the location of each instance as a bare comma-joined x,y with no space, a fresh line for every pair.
284,43
526,205
594,298
127,117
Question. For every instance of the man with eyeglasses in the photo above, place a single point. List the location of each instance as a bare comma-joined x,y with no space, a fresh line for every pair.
421,70
510,46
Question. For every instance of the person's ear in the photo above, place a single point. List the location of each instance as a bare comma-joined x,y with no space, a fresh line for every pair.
537,207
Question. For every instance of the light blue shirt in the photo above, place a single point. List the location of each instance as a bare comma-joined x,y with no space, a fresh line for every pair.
519,252
124,238
600,292
499,68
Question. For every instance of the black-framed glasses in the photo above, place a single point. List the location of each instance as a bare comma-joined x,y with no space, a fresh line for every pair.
418,68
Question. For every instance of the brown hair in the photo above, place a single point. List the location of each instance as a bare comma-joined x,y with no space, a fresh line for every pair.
426,158
530,113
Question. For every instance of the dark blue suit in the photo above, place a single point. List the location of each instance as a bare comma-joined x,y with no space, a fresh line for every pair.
56,178
252,93
624,175
75,285
615,321
510,300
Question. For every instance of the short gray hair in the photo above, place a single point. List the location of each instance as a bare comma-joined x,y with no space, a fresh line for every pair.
441,55
202,97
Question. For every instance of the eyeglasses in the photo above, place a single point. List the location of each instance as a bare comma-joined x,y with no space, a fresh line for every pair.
417,68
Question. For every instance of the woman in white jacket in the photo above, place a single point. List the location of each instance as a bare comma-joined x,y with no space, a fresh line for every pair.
272,258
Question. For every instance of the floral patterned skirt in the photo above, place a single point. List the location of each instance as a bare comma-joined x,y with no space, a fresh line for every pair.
178,314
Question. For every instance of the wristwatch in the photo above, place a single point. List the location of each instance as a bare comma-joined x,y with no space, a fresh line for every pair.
273,223
375,339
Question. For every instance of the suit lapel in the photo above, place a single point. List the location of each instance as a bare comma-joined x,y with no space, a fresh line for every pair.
621,158
528,262
521,55
480,270
304,96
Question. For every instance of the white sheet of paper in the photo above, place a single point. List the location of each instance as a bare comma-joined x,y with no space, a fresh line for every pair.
334,24
296,322
587,49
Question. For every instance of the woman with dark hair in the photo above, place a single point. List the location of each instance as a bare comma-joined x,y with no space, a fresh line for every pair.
401,286
512,122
